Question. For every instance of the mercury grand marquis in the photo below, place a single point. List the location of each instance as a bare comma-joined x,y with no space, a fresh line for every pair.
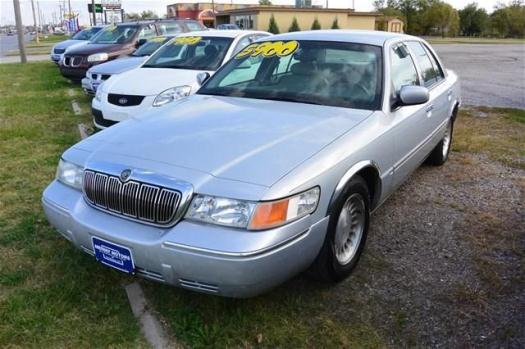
272,168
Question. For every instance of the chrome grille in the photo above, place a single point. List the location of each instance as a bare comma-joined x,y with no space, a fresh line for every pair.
139,201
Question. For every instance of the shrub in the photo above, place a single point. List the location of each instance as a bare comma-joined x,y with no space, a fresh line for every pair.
316,25
273,28
295,26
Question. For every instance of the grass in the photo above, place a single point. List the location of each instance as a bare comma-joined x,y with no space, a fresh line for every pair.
487,131
467,40
51,295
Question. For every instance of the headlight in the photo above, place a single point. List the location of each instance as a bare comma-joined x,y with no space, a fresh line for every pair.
171,95
276,213
98,57
70,174
222,211
252,215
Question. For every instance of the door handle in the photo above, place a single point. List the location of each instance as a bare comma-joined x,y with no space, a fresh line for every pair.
429,110
449,95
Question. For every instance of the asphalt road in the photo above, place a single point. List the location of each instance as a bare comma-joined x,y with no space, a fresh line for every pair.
8,43
491,75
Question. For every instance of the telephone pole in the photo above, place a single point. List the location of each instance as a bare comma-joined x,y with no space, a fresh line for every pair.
20,31
34,20
94,13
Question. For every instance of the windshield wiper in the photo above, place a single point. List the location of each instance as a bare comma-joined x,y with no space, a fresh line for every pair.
290,99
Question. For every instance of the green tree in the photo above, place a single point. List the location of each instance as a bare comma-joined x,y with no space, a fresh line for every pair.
473,21
143,15
442,17
273,27
316,25
265,3
335,24
294,27
509,21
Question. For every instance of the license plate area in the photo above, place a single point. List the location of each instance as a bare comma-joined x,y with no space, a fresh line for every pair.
113,255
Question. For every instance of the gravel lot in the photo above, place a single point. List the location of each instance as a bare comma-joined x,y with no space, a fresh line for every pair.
443,262
491,75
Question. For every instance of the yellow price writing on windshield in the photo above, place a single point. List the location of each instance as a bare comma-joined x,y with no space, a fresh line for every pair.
157,39
187,40
269,49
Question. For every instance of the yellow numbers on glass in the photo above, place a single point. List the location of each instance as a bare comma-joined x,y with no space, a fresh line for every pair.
187,40
269,49
157,39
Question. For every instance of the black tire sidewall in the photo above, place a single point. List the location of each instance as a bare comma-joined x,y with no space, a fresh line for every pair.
333,268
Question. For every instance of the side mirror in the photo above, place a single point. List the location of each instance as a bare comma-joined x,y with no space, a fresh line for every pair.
412,95
140,42
202,78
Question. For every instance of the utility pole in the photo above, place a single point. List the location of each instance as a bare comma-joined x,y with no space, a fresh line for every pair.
213,11
20,31
34,21
94,13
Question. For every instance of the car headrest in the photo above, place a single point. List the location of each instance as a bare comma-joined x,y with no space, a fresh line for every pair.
302,68
211,50
308,55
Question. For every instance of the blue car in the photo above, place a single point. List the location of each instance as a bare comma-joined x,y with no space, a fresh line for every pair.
101,72
80,38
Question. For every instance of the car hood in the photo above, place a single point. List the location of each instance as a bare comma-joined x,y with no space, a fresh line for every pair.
241,139
150,81
91,48
117,66
69,43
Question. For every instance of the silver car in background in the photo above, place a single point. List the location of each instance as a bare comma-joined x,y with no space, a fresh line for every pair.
272,168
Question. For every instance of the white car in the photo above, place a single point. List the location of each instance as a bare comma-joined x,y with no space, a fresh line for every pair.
169,74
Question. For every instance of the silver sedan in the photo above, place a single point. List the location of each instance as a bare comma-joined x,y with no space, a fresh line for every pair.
272,168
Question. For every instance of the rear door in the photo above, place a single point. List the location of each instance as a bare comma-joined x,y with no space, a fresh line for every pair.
433,78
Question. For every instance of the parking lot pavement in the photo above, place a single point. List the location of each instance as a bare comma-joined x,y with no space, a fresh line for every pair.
30,58
491,75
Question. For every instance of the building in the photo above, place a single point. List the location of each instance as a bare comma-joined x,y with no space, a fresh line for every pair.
201,12
258,17
390,24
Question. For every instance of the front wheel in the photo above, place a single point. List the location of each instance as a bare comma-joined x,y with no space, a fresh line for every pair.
346,235
439,154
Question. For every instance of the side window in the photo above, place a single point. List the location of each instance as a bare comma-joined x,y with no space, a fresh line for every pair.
147,32
194,26
430,76
439,71
170,28
402,69
244,73
242,44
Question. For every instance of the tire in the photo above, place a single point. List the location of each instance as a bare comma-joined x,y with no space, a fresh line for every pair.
336,260
439,154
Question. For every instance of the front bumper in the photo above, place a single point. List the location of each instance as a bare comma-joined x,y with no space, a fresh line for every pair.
114,113
87,86
75,74
199,257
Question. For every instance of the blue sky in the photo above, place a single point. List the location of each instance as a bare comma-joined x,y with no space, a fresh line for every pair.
47,7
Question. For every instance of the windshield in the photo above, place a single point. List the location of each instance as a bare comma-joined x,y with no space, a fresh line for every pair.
119,34
86,34
191,52
150,46
316,72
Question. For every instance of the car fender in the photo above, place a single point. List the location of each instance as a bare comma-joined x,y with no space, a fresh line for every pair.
347,176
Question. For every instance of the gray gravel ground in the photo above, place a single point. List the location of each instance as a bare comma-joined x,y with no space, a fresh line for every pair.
491,75
450,243
443,266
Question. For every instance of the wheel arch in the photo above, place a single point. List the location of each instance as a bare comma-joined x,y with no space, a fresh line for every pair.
369,171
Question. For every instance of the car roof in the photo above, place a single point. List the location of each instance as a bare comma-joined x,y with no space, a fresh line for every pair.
222,33
370,37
